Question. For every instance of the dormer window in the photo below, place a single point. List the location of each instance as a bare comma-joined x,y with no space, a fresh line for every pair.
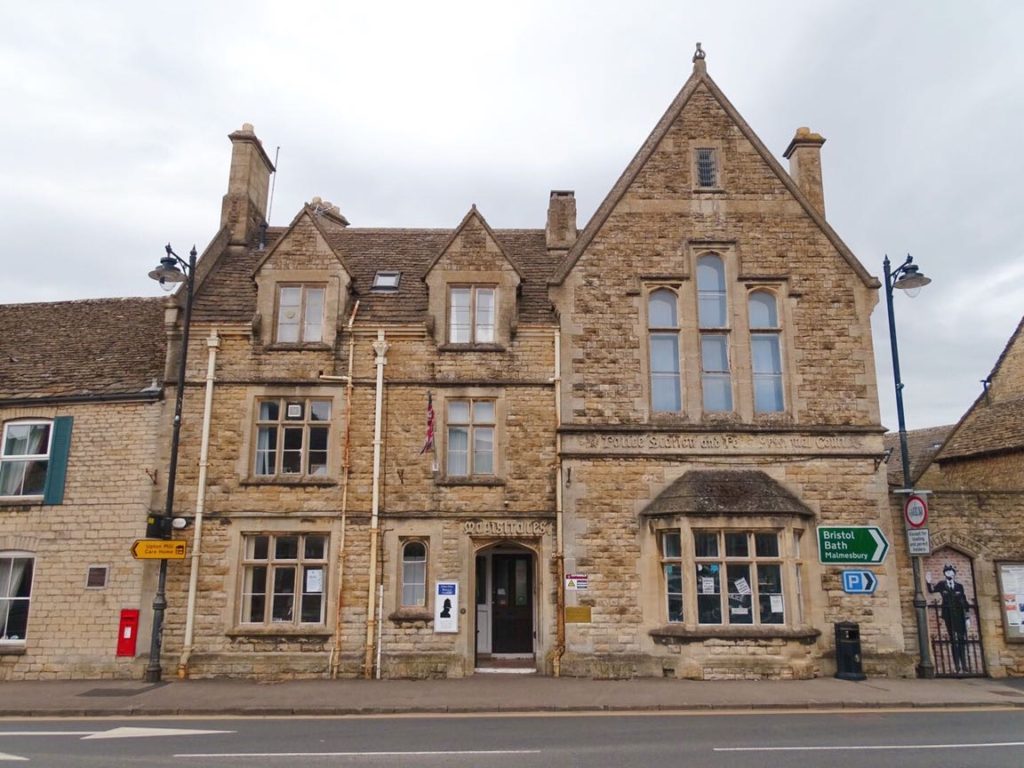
386,281
471,313
300,314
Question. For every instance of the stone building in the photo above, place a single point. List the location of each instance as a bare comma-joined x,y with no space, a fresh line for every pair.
634,430
607,451
80,413
972,475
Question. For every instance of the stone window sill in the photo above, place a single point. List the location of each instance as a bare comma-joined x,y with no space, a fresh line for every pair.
313,482
477,481
471,348
22,501
672,634
12,650
289,631
408,615
313,347
709,190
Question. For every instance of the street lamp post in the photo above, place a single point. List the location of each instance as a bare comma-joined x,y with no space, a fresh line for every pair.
172,269
907,277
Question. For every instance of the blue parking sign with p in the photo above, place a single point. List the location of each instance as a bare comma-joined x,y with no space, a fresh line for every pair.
859,582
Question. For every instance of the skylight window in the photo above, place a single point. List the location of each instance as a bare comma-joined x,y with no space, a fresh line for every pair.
386,282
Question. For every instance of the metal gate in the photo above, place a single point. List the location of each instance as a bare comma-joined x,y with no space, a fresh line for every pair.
956,654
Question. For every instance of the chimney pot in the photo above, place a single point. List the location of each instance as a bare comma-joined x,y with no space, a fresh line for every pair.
560,233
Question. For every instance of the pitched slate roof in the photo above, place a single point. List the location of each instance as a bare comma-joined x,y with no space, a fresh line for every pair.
725,492
68,349
922,445
228,293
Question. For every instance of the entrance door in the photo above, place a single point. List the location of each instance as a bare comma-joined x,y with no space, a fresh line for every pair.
512,604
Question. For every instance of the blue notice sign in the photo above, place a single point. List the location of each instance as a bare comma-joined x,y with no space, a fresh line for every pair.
859,582
445,589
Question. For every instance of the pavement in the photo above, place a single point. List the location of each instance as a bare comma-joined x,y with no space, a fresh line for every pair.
497,693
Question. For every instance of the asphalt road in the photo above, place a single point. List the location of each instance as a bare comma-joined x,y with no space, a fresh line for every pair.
909,739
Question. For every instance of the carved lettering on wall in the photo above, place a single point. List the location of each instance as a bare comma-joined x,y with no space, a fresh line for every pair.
663,442
507,528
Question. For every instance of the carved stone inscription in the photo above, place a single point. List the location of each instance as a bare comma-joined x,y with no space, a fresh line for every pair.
507,528
665,442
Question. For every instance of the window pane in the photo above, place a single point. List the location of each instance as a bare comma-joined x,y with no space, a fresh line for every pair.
766,544
254,594
707,169
314,316
312,608
765,355
740,594
664,353
666,394
717,392
289,300
284,593
459,332
286,548
458,451
661,310
711,292
670,545
705,544
257,547
35,478
27,440
291,456
768,394
458,412
769,590
414,573
266,451
736,545
317,464
15,596
483,451
12,475
320,410
762,310
270,410
674,591
483,412
485,315
709,601
315,547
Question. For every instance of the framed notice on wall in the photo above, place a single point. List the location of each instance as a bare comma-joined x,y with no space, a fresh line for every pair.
1011,591
446,606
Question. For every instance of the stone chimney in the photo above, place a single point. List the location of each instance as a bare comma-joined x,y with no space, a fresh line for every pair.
244,207
804,155
561,230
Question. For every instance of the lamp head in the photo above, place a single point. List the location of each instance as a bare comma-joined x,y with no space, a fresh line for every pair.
167,273
911,279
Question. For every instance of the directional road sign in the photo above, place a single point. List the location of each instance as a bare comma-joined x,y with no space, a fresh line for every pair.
859,582
851,545
158,549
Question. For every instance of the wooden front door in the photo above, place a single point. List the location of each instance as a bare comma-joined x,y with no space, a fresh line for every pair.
512,604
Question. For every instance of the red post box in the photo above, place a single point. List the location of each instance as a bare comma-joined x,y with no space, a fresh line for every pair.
127,632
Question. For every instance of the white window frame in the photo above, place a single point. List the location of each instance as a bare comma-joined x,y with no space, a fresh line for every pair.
478,328
713,330
774,333
661,333
474,428
413,589
737,605
269,460
308,328
8,598
307,588
670,547
9,461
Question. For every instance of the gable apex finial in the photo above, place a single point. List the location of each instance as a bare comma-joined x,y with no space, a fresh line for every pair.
698,59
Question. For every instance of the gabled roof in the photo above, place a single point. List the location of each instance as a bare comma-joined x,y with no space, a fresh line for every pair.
308,213
698,79
473,215
97,348
725,492
922,446
995,422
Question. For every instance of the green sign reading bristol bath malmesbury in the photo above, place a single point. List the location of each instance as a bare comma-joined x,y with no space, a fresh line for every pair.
851,544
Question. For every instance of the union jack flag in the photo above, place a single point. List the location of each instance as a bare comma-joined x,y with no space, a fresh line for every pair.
428,444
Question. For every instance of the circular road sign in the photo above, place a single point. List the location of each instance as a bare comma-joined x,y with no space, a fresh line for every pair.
915,511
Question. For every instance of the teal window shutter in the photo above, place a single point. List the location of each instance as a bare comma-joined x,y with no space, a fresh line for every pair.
60,445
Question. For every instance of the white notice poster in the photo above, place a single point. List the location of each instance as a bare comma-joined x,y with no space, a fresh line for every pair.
314,581
742,587
446,606
776,603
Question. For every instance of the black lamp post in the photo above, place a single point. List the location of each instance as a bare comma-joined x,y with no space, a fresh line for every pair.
906,277
173,269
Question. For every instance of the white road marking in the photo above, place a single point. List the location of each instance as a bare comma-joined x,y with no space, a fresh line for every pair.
846,747
12,758
47,733
131,733
442,753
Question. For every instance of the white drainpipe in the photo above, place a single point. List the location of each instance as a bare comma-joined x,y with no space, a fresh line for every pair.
380,348
213,344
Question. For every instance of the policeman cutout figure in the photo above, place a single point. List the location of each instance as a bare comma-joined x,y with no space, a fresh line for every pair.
955,609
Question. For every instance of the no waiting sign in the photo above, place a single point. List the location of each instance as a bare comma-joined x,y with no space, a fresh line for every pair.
915,511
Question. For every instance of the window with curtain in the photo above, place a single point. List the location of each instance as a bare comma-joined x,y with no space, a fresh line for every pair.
713,322
284,579
414,574
15,596
663,342
765,352
470,424
292,437
24,458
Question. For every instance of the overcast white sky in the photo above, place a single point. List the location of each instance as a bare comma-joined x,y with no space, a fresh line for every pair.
404,114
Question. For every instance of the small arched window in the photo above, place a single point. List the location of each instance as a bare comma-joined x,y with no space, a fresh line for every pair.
414,574
766,352
663,333
712,318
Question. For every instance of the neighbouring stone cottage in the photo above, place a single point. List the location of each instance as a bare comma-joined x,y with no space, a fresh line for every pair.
600,452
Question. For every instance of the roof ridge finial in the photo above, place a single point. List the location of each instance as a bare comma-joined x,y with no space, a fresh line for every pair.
698,59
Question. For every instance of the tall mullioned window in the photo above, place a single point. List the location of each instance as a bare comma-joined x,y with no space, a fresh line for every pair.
766,352
713,322
284,579
663,335
470,424
471,314
292,437
300,314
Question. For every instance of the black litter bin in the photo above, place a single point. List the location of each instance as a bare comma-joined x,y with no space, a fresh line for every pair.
848,665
